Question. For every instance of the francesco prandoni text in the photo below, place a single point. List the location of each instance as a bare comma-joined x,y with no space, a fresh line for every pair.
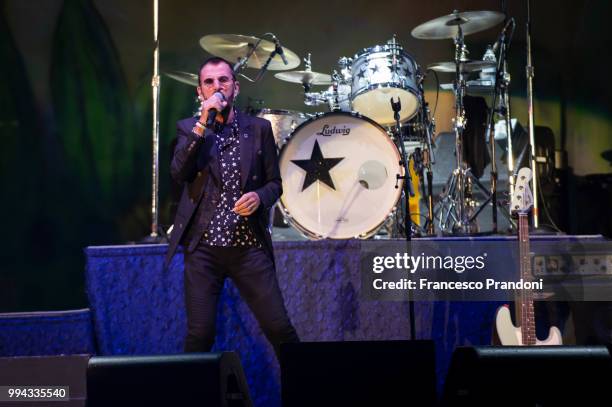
425,284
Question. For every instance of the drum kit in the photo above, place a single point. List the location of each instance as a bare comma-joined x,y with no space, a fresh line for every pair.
345,170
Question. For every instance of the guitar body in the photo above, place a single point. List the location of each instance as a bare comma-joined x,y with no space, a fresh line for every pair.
510,335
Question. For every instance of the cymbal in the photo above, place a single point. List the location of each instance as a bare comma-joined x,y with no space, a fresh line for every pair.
305,77
234,46
183,77
445,27
466,66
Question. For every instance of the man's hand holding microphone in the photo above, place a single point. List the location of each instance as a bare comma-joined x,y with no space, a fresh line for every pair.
210,112
212,108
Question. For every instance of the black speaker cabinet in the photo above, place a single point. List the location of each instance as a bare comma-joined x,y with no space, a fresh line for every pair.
529,376
198,379
382,373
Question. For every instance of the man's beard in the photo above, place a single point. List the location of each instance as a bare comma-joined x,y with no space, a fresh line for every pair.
226,112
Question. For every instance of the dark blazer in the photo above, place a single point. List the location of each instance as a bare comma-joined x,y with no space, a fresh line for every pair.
196,165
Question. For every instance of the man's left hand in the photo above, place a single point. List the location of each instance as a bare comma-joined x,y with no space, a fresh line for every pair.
247,204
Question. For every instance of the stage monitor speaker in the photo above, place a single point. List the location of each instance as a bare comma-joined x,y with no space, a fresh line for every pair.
381,373
528,376
65,371
197,379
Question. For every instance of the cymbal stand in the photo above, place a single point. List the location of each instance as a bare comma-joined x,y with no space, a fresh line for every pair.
308,67
529,70
453,213
451,207
242,62
312,98
501,90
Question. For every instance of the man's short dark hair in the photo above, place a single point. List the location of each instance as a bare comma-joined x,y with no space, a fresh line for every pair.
215,61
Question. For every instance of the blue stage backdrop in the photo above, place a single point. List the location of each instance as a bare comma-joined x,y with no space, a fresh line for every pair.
138,308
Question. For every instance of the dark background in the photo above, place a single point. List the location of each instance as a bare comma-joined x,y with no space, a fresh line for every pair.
75,117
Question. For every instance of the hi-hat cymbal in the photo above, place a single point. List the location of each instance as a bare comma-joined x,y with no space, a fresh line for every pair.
233,47
305,77
466,66
183,77
446,27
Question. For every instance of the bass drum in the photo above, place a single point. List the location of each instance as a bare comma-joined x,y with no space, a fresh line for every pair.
339,177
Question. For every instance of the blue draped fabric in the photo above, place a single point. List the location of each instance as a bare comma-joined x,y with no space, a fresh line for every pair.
46,333
138,308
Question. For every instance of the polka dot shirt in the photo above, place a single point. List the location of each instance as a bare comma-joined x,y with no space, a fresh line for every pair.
226,227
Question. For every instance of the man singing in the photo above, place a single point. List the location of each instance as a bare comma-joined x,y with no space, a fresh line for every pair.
231,180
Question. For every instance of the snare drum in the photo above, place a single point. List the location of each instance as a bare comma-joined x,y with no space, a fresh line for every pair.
283,122
339,177
380,73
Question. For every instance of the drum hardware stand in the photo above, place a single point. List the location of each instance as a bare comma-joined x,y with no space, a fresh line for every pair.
336,100
501,90
429,157
529,70
311,98
308,67
452,200
345,68
242,62
408,191
419,159
428,160
453,203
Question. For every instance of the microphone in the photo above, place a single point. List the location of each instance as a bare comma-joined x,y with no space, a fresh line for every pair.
238,65
279,50
212,112
502,34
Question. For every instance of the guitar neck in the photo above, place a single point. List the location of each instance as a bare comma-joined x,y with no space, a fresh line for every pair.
525,302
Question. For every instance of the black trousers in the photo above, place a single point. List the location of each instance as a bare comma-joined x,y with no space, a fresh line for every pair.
252,272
